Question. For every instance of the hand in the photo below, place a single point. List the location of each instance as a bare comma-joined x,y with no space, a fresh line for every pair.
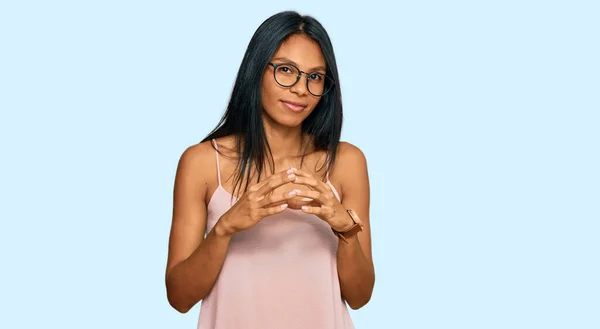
256,203
325,205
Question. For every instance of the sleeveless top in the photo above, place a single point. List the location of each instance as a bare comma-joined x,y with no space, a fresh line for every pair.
279,274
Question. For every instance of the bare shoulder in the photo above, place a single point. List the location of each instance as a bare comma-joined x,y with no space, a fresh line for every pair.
350,166
197,155
350,153
196,164
226,145
350,161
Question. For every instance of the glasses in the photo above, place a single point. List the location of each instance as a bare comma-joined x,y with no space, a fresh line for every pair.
287,75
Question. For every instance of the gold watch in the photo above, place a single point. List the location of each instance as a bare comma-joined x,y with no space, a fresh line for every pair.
357,227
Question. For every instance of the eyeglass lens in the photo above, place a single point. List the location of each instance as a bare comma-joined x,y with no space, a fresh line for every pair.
287,75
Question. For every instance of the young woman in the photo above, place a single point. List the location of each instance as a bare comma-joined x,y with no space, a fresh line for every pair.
270,223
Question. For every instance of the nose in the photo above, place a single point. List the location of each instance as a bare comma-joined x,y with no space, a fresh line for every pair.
301,87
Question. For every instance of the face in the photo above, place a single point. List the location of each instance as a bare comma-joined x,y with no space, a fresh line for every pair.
289,106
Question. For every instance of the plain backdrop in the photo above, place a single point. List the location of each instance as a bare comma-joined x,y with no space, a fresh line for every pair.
479,120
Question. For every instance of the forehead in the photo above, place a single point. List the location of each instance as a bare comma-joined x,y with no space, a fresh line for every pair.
302,50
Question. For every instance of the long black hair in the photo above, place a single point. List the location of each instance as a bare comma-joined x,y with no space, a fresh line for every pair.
243,117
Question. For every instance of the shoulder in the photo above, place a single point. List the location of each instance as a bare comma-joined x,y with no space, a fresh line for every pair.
197,164
205,152
350,163
349,153
350,171
349,150
198,161
197,154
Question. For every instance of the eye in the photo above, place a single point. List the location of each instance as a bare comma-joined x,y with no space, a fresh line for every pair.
285,69
316,77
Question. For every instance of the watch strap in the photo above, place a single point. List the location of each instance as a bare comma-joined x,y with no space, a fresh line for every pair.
353,230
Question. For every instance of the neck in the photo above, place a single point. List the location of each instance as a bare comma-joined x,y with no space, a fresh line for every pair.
284,141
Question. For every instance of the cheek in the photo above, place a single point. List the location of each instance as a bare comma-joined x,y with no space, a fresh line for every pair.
270,92
312,103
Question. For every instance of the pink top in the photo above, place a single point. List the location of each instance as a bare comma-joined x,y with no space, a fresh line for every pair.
280,274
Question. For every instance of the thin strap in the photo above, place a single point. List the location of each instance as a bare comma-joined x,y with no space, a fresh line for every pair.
335,192
217,155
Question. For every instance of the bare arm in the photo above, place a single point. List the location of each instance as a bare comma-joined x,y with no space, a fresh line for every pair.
194,262
354,259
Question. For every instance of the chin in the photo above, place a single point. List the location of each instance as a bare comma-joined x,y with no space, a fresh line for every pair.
285,120
290,123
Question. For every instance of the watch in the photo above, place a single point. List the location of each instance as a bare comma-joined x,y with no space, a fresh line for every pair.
357,227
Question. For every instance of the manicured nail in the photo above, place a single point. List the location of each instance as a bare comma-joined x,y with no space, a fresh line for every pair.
306,199
283,206
292,193
304,207
294,169
291,170
291,176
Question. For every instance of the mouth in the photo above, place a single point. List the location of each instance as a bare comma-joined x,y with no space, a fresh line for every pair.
294,106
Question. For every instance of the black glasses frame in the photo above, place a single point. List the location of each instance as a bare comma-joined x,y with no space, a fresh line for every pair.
327,78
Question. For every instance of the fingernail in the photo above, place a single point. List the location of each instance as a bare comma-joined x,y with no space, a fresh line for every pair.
304,207
283,206
297,191
291,176
291,170
292,193
294,169
306,199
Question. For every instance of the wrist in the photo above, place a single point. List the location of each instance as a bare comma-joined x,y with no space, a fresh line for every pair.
352,229
345,223
222,229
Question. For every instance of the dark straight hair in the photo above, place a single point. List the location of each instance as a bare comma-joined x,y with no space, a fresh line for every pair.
243,116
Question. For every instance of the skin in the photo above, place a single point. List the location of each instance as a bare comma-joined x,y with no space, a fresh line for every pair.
196,182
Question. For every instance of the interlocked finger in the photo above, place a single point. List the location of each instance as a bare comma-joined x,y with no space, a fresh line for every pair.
274,182
323,212
274,199
313,183
264,212
315,195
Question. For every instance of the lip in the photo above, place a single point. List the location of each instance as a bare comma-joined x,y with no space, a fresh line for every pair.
294,106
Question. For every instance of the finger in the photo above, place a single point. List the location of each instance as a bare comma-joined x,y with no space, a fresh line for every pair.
273,182
273,199
306,173
313,183
311,180
313,195
264,212
322,212
303,173
260,184
312,210
298,203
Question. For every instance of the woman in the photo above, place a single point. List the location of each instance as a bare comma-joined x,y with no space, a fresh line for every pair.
289,246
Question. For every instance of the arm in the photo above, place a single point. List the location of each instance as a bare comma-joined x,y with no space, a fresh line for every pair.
354,259
194,262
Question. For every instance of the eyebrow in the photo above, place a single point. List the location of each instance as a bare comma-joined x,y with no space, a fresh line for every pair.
292,62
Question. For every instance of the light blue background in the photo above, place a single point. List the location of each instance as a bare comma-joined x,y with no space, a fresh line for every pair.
479,120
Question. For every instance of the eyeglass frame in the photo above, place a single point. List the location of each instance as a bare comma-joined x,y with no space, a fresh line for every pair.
276,65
